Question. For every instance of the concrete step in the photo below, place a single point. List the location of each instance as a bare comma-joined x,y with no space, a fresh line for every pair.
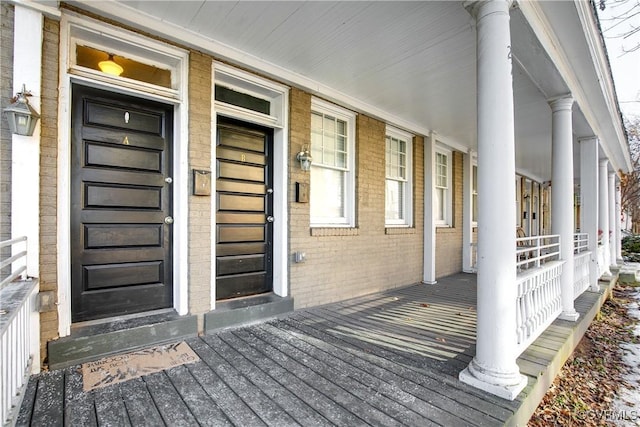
93,340
247,310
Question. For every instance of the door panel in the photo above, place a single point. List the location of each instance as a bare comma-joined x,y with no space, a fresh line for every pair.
121,248
244,203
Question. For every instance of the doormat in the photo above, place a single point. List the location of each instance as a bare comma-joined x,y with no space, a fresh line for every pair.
123,367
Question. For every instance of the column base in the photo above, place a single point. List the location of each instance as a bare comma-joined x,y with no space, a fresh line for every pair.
492,383
571,316
429,282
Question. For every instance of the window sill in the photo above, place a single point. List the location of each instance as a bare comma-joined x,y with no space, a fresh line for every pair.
399,230
445,229
335,231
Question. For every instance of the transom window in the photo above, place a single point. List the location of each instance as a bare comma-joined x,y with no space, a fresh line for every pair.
398,188
332,148
442,193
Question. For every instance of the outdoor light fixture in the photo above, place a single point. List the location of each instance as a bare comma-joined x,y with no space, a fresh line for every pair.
21,116
305,159
110,66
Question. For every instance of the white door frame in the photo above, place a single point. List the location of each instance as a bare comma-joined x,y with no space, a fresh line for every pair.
278,120
76,29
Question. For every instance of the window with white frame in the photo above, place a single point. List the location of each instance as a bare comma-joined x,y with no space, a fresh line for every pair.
398,182
442,199
474,195
332,201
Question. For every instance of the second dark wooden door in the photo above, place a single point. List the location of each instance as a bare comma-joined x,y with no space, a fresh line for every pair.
121,232
244,209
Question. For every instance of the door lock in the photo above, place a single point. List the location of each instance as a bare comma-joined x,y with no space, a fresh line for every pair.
269,190
168,220
269,218
168,180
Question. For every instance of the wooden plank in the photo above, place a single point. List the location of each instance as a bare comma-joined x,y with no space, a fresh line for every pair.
139,403
49,404
201,405
79,409
172,408
319,401
343,375
28,402
448,395
413,410
235,409
260,403
363,410
289,402
110,407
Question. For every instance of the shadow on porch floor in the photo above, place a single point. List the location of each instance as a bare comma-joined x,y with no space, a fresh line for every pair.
385,359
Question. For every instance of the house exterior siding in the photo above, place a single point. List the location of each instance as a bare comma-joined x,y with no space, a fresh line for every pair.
199,207
340,262
6,92
449,239
48,177
347,262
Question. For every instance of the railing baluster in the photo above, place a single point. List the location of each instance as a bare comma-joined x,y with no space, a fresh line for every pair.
16,353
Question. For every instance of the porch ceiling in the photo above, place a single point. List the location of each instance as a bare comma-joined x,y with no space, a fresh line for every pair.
409,63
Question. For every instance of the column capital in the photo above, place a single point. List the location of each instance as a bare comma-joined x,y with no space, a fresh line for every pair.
562,102
604,162
481,8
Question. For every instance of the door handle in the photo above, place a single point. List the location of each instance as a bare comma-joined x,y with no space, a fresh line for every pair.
168,220
168,180
269,218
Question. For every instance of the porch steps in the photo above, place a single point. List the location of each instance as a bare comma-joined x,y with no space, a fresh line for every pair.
248,310
94,340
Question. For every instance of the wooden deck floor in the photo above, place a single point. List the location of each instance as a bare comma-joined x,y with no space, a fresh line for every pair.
385,359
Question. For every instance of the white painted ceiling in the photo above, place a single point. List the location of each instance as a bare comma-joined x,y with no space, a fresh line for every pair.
411,61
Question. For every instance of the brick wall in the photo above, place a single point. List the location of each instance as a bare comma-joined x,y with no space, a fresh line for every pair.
199,206
343,263
48,177
449,240
6,92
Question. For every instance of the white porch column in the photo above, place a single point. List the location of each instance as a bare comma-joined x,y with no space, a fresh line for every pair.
494,368
429,261
589,200
613,229
467,213
618,224
25,172
562,197
603,214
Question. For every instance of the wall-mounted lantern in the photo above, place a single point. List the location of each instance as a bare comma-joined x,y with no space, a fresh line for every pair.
305,159
21,116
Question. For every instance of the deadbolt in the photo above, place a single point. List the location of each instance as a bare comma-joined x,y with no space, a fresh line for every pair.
269,218
269,190
168,180
168,220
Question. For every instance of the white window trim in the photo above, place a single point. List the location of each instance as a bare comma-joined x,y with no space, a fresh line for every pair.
408,196
323,107
447,222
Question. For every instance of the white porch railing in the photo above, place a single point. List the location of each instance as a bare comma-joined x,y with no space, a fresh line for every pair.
538,301
535,251
19,332
581,259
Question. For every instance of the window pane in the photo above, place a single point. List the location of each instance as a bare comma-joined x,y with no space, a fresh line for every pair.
327,193
394,200
439,204
342,127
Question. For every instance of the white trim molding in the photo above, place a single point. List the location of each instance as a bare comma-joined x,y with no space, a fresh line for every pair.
74,29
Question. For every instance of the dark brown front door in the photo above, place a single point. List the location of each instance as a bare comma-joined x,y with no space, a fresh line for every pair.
244,218
121,257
